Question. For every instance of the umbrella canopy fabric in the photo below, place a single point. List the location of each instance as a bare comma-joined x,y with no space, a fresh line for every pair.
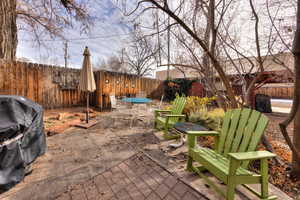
87,81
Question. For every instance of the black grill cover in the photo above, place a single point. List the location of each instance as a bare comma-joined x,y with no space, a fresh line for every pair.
263,103
19,115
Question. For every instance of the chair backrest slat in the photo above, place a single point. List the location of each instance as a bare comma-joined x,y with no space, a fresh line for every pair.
241,128
232,130
225,128
178,105
241,131
258,133
248,133
174,105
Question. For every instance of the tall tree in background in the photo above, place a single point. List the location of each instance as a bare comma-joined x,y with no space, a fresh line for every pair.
140,56
38,17
8,29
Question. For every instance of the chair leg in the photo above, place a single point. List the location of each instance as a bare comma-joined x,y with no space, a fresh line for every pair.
166,132
189,166
264,179
230,191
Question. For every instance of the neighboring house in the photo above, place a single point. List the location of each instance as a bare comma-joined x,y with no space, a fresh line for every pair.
273,65
176,73
278,62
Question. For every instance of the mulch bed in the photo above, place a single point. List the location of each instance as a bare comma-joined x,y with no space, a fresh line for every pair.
280,174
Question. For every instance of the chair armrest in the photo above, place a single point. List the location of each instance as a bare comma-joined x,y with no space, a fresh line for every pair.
158,111
175,115
192,137
253,155
203,133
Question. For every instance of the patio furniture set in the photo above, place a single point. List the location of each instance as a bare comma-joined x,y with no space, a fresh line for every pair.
234,147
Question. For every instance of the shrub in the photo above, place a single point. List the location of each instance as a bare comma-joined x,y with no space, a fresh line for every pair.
176,86
194,103
209,119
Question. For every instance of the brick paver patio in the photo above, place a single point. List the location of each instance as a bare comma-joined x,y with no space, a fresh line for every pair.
136,178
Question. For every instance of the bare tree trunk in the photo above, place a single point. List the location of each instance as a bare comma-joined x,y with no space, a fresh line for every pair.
296,134
295,111
8,29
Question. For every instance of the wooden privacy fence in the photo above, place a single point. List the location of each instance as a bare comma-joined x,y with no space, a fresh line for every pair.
43,84
55,87
282,92
118,84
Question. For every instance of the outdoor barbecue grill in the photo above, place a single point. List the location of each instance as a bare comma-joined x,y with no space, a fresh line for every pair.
22,138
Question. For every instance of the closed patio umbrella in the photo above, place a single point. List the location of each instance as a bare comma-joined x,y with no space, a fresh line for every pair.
87,81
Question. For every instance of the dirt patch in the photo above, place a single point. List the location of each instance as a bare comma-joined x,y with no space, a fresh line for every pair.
56,121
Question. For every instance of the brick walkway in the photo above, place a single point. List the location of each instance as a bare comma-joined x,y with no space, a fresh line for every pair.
136,178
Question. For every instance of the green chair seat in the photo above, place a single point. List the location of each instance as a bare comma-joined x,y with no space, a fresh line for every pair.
218,161
163,120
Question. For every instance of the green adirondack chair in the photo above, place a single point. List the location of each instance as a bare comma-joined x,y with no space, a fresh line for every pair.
235,147
167,121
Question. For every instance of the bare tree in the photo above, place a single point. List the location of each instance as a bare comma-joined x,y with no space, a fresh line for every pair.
207,47
39,17
141,54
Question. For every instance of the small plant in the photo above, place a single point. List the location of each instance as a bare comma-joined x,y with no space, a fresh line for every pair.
209,119
194,103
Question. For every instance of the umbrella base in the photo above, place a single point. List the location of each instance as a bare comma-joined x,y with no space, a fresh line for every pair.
87,125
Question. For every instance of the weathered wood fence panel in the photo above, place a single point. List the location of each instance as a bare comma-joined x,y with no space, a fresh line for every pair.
277,92
118,84
55,87
40,83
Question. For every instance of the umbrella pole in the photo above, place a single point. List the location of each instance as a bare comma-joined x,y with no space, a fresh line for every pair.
87,108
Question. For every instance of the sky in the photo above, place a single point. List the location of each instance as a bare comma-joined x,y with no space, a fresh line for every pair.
109,35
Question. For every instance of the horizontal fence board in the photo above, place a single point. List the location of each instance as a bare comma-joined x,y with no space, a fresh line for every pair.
277,92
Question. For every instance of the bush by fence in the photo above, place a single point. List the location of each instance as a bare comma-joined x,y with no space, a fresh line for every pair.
176,86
